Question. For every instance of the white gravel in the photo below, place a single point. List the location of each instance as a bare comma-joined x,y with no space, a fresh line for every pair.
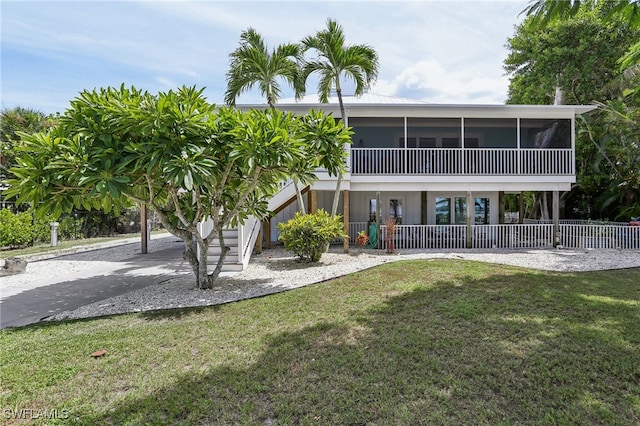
276,270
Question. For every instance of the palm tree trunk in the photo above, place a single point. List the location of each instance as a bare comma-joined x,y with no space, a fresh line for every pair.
336,195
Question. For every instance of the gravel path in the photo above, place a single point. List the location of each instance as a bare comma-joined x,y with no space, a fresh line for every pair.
276,270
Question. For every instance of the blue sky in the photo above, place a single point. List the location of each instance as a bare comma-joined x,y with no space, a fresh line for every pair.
437,51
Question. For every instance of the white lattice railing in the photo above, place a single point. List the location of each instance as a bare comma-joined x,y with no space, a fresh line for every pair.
600,236
459,161
508,236
426,236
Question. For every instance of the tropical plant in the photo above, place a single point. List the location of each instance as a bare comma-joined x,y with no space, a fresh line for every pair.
575,57
335,60
252,63
544,12
183,157
619,147
13,121
307,235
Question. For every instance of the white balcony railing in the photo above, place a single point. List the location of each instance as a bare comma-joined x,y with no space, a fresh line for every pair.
458,161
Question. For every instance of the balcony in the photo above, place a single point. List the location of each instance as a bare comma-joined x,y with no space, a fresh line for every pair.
462,161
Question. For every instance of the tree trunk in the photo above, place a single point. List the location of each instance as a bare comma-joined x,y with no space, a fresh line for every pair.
198,263
336,196
544,206
299,197
223,254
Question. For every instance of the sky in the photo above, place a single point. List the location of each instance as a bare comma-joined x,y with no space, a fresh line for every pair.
445,52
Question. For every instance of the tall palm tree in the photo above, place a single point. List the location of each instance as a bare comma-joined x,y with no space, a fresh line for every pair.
252,63
335,60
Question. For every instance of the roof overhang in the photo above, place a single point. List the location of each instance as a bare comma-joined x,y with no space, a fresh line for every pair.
436,110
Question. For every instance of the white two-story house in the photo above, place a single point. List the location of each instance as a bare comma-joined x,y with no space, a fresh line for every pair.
440,171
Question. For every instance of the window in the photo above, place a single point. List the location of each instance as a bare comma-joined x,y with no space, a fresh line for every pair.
460,205
482,214
419,142
373,209
395,210
443,211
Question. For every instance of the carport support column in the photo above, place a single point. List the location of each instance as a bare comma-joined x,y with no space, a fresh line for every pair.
313,201
556,218
143,228
470,209
345,218
266,225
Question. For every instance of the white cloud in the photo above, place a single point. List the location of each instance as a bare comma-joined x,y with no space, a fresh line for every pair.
432,82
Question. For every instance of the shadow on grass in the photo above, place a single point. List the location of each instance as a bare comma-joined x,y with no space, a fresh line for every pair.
514,348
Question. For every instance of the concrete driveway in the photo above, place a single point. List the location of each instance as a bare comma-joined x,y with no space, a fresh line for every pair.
67,282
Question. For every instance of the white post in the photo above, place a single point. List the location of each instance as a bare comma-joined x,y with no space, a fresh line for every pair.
54,234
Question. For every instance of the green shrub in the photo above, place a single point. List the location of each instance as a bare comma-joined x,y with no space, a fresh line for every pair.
15,229
308,235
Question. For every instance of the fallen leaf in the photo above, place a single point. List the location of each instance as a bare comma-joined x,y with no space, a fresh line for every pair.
99,353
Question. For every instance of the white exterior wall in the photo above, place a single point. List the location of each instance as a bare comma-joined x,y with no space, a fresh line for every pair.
359,206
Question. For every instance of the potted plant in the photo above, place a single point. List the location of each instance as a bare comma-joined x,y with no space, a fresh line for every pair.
362,239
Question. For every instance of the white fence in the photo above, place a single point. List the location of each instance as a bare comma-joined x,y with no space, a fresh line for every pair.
462,161
507,236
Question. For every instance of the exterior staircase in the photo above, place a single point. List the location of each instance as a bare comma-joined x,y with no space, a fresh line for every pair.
241,240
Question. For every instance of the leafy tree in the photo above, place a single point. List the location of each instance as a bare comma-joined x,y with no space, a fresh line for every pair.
619,146
175,152
335,60
12,121
252,63
544,12
578,54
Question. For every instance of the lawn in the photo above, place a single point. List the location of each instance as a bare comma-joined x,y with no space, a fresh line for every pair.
412,342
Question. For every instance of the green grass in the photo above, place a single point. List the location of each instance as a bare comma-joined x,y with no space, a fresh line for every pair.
413,342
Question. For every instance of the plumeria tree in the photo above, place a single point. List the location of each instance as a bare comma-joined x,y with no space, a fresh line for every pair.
183,157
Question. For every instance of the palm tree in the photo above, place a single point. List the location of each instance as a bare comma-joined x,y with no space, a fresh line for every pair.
251,63
334,60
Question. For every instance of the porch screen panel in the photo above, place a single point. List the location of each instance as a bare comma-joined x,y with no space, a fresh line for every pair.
376,132
545,133
433,144
490,144
491,132
375,142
